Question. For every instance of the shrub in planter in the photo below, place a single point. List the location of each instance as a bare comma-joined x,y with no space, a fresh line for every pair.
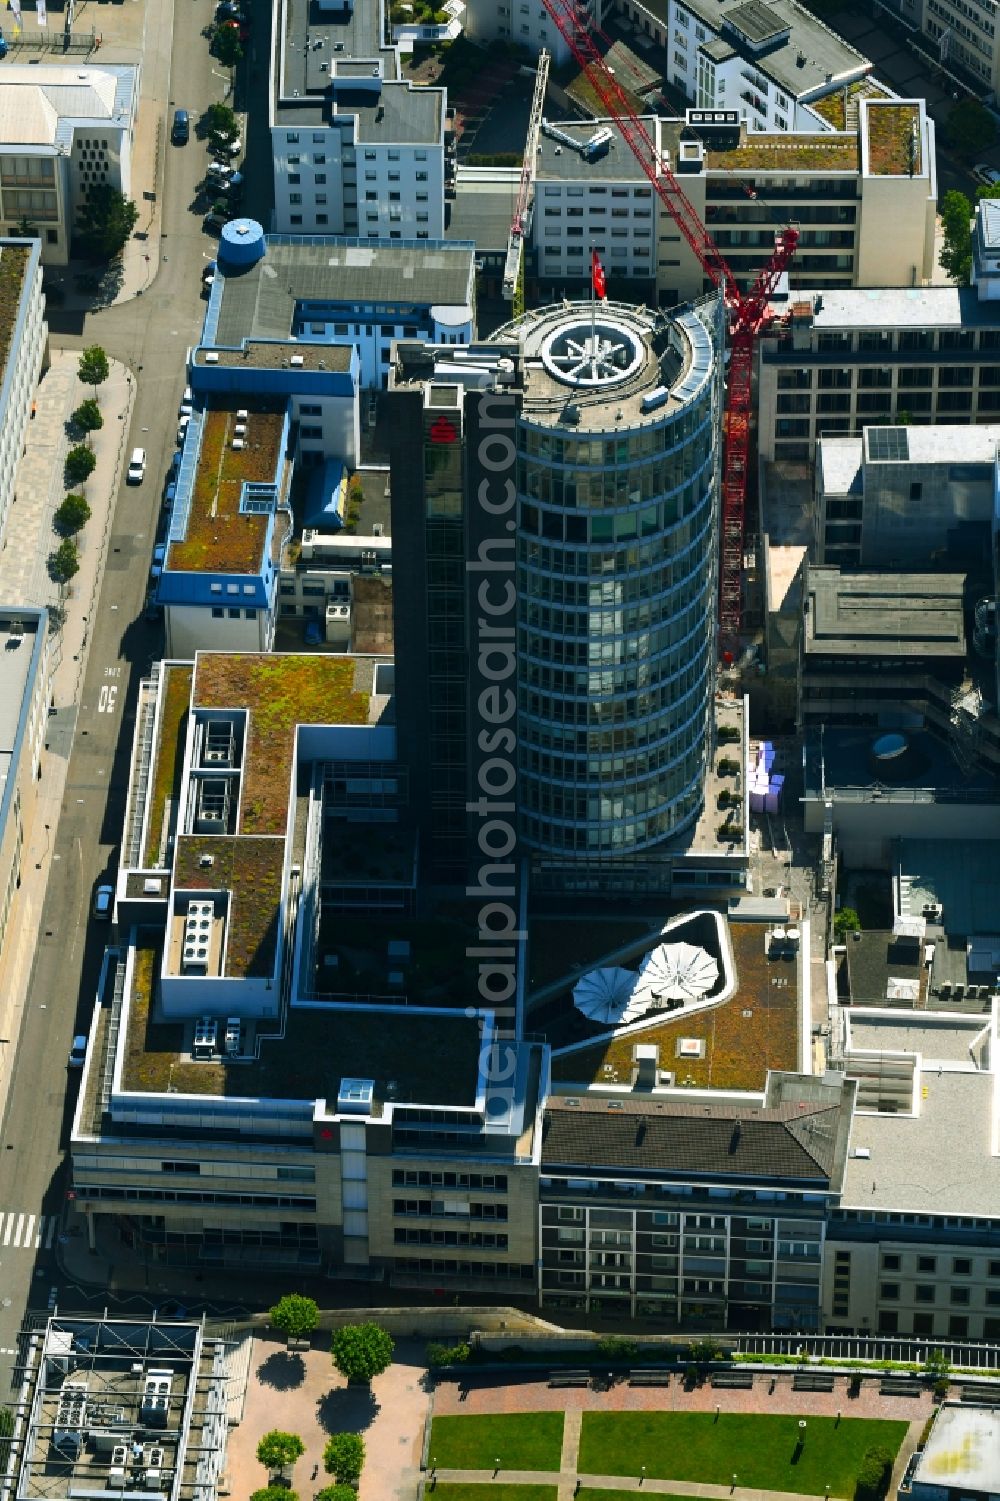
727,767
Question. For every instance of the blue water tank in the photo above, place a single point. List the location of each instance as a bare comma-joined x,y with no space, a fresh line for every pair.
241,244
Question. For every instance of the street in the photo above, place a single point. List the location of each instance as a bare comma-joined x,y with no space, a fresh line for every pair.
150,333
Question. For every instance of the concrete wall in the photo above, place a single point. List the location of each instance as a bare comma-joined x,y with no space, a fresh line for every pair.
191,628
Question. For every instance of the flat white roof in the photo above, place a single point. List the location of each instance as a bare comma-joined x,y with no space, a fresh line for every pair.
962,1451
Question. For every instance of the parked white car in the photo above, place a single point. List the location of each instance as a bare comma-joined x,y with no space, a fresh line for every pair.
136,467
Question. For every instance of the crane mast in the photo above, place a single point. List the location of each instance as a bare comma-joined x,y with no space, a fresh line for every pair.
748,312
521,222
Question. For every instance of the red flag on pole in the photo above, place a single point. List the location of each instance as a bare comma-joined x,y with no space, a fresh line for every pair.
597,276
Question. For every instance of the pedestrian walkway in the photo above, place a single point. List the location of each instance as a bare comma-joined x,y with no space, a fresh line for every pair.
572,1428
24,579
569,1482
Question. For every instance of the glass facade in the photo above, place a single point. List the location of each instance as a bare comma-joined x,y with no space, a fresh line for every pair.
617,579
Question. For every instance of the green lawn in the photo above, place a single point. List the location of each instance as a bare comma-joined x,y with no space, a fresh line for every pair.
589,1494
493,1492
521,1441
762,1449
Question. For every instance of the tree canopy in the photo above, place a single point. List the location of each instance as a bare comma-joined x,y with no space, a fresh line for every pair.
106,221
277,1449
73,514
295,1315
228,47
274,1493
344,1457
64,563
361,1351
79,463
970,128
93,368
956,252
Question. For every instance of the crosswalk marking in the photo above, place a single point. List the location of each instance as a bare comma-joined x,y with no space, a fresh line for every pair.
27,1232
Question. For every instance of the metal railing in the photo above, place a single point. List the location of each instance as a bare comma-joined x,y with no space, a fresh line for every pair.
868,1347
140,770
114,1027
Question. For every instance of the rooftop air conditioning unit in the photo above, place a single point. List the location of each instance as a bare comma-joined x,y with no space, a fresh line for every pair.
297,359
378,530
212,357
205,861
240,430
242,414
206,1036
239,443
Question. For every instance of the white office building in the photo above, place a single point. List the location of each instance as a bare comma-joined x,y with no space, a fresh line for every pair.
63,130
526,22
23,339
356,150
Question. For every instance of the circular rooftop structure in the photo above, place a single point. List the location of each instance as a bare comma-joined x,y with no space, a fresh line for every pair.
241,243
592,352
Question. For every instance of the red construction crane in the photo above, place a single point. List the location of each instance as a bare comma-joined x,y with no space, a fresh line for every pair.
748,311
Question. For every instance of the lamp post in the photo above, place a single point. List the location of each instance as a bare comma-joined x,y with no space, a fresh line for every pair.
802,1430
642,1473
733,1486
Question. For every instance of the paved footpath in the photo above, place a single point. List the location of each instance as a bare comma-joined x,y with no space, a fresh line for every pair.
569,1482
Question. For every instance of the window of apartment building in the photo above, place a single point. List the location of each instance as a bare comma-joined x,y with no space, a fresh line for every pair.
924,1292
961,1266
926,1263
888,1321
293,161
318,139
312,432
295,197
292,138
234,614
295,218
321,179
218,613
923,1323
569,1212
959,1295
890,1262
958,1326
294,177
889,1291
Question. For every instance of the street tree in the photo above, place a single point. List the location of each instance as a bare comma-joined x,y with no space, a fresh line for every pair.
361,1351
295,1315
274,1493
93,368
64,563
336,1493
969,128
221,122
106,221
344,1457
229,48
72,515
80,463
955,211
87,416
277,1449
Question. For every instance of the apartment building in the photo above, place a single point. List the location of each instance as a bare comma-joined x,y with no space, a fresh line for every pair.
660,1211
529,25
863,198
963,33
24,340
592,194
770,62
356,149
840,360
63,130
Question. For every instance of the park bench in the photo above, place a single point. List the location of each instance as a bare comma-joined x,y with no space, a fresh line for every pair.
741,1379
985,1396
896,1387
812,1381
569,1378
651,1376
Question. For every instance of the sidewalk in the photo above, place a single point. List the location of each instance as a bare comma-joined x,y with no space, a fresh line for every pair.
24,579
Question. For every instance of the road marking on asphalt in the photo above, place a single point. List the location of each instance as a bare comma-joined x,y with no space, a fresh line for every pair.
106,699
29,1232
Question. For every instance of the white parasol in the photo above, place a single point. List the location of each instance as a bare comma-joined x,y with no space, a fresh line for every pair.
677,972
609,995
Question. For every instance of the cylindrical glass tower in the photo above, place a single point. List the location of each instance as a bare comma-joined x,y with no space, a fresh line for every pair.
618,478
